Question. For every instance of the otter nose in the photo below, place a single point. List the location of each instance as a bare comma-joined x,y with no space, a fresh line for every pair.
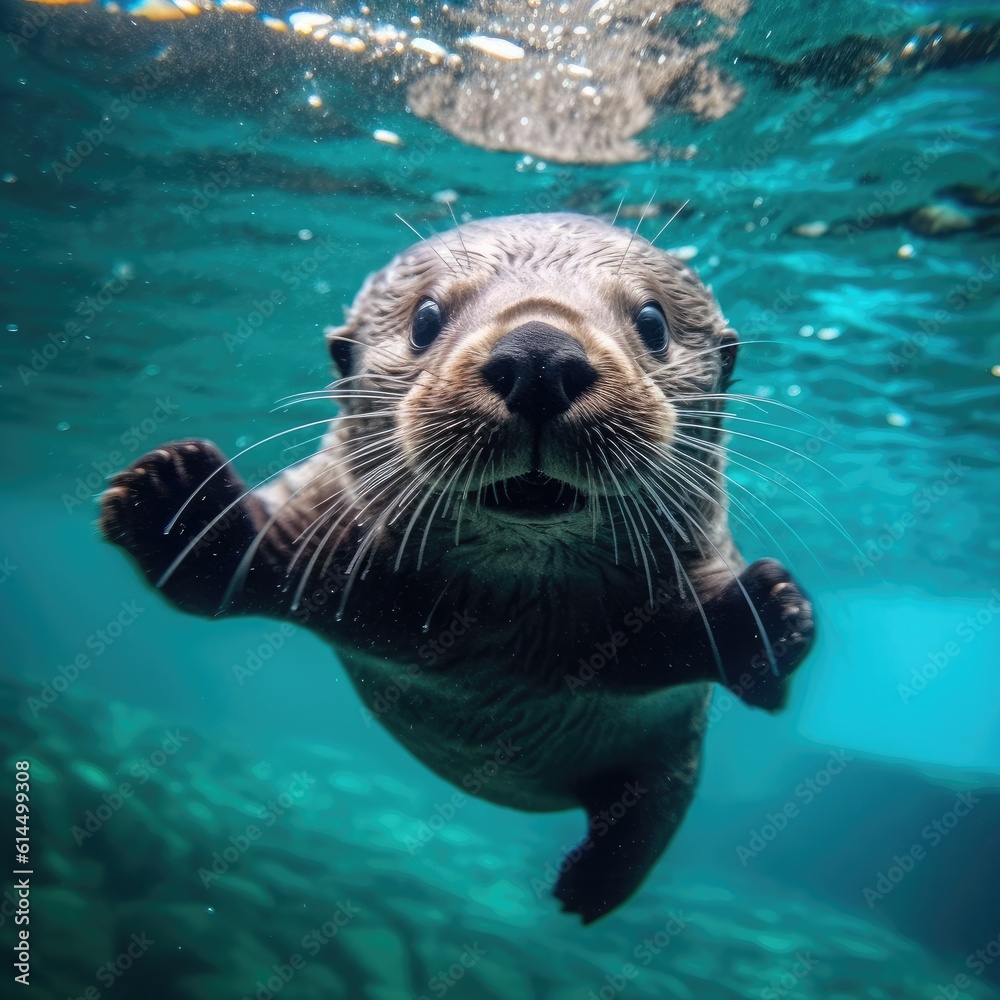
538,371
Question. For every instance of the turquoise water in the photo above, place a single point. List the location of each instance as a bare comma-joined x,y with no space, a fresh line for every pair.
849,232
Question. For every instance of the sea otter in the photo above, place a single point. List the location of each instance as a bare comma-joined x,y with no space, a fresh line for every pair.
528,441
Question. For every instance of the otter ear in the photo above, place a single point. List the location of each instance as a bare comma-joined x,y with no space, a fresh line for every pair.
341,348
727,350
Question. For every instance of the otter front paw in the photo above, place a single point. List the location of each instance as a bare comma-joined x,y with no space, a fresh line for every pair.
774,641
215,522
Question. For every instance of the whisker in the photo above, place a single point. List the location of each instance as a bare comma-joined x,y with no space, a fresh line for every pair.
746,398
628,246
239,454
667,223
461,239
445,492
238,579
618,210
684,577
727,415
423,239
186,551
754,437
429,492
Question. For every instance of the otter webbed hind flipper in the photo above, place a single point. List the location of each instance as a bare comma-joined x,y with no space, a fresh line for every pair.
631,818
141,501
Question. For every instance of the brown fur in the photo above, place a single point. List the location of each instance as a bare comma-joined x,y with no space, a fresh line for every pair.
393,520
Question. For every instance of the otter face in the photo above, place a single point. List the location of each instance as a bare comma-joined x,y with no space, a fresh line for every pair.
537,369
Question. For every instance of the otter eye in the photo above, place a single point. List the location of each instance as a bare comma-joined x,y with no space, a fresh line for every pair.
652,327
427,323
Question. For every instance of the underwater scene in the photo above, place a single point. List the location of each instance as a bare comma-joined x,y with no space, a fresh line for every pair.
499,697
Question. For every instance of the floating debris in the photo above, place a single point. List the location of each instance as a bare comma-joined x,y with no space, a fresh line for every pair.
389,138
434,52
938,220
811,229
828,333
896,419
350,44
305,22
499,48
906,251
157,10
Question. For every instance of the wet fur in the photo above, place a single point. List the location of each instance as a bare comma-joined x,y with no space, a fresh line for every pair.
381,525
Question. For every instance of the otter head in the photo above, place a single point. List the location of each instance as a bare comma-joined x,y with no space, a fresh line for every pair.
549,373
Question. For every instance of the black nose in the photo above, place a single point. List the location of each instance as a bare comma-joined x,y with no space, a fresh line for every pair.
538,371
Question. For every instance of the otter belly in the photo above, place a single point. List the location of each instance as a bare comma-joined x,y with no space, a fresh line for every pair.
529,750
